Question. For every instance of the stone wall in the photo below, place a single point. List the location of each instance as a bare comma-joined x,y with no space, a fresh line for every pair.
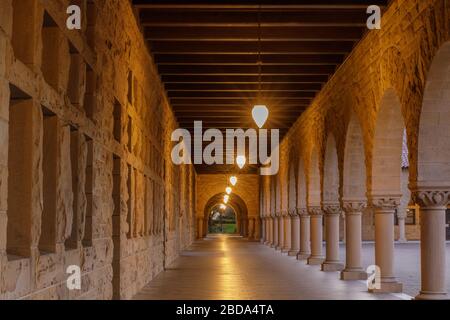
397,57
85,173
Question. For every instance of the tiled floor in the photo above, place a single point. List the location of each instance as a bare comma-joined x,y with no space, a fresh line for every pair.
224,267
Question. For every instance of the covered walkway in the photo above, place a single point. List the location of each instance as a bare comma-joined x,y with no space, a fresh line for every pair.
223,267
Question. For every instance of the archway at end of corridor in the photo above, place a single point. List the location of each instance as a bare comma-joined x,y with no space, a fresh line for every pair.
230,218
222,219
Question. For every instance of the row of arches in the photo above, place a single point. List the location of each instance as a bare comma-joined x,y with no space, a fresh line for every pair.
359,190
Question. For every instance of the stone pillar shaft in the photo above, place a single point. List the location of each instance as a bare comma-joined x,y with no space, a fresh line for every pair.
316,256
280,232
305,249
295,234
433,205
353,243
287,234
384,244
332,216
275,232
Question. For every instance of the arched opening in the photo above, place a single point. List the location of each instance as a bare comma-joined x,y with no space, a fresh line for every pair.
222,219
433,176
229,218
314,196
331,172
292,194
386,186
354,163
354,200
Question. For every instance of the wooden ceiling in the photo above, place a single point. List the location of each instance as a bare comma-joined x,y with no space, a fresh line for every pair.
219,58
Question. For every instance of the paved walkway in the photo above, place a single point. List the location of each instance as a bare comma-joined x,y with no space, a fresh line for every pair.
227,268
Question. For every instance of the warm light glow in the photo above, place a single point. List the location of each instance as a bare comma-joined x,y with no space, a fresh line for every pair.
223,207
233,180
228,190
260,113
226,198
240,160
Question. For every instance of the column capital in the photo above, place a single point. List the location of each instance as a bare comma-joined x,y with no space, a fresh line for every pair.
278,214
293,212
332,208
315,211
302,211
354,206
273,215
284,213
386,202
432,198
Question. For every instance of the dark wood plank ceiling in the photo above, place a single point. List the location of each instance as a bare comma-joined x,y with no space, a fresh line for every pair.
219,58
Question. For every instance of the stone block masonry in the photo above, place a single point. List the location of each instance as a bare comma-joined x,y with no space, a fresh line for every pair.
85,173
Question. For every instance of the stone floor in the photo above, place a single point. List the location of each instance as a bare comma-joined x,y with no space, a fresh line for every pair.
407,264
228,268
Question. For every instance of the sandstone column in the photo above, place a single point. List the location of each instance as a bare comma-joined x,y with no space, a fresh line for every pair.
343,227
280,231
251,229
295,233
200,228
353,244
263,230
433,205
287,232
305,250
316,256
401,216
332,215
384,243
275,231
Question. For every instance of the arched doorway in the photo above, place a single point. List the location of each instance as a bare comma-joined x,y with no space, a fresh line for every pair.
222,219
216,213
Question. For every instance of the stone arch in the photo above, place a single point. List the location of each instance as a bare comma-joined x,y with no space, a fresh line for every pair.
236,202
313,193
331,172
301,185
434,141
387,147
354,162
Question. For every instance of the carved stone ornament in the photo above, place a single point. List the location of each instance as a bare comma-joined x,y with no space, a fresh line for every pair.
332,209
293,212
302,211
315,211
386,203
430,199
354,207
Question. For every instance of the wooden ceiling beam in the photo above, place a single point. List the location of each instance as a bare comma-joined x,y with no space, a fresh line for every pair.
242,87
248,59
251,47
247,70
213,34
236,79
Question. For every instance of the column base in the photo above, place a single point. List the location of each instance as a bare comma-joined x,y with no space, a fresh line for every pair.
277,248
332,266
284,250
388,287
303,256
432,296
355,274
272,245
315,260
292,253
402,241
